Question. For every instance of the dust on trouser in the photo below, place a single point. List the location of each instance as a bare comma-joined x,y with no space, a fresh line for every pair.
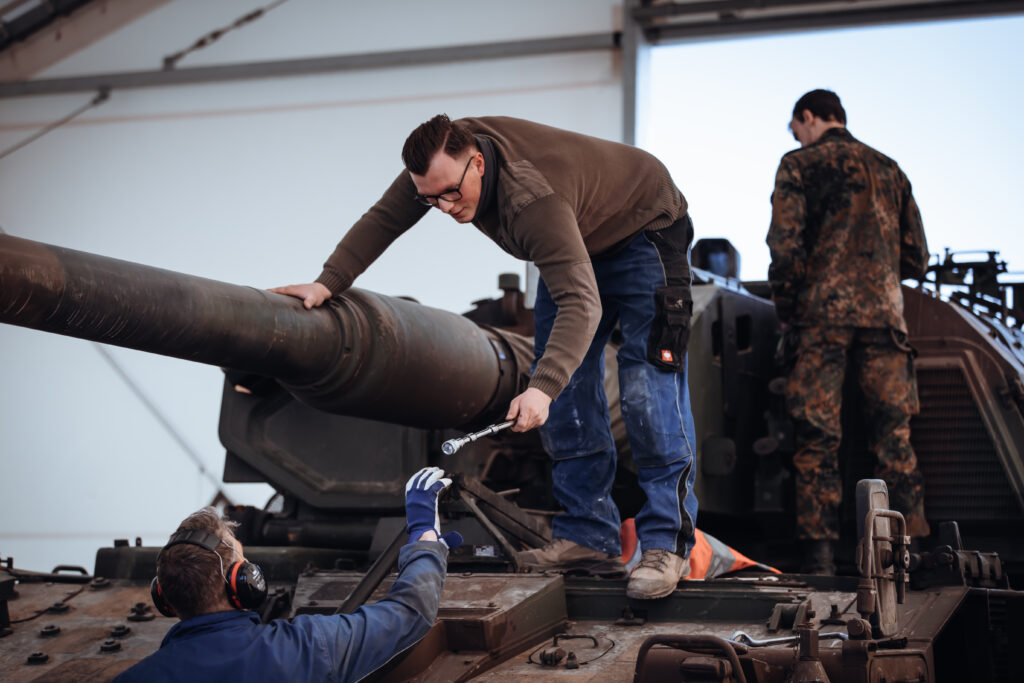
636,284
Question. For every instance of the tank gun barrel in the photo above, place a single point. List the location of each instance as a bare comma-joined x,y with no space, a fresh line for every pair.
117,302
364,354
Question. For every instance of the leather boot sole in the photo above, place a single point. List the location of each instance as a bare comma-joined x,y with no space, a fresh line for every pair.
636,595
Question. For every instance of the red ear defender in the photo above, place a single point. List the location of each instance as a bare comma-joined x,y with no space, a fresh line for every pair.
246,586
244,582
159,600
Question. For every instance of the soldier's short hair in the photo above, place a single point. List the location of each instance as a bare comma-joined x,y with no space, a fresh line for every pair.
438,134
192,578
824,104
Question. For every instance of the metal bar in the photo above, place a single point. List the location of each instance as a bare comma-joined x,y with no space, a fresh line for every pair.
679,9
645,14
13,4
744,638
698,643
56,576
512,519
468,499
36,18
315,65
31,53
669,33
634,46
374,575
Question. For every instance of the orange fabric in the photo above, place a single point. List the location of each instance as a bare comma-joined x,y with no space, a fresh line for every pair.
627,534
233,585
705,552
742,562
700,557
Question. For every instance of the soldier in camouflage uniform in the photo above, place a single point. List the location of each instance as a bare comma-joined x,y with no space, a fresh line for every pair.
845,231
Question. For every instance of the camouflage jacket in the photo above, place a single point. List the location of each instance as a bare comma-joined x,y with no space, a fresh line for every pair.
845,231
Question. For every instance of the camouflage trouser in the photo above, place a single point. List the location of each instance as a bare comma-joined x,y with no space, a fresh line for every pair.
885,372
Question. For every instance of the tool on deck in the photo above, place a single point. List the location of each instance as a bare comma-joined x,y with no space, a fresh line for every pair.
452,445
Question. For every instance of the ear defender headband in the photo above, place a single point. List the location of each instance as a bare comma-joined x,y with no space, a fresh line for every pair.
244,583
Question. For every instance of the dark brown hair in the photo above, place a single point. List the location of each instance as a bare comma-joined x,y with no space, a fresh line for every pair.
824,104
437,134
191,577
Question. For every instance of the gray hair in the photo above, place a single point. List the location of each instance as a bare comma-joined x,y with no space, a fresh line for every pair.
191,578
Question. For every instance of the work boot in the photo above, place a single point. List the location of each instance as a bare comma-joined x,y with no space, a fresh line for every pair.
562,555
818,557
657,574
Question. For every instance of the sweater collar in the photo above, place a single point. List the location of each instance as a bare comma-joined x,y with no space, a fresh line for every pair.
489,182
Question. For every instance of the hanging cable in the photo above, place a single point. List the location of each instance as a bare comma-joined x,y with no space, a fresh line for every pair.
171,61
219,494
164,422
41,612
102,96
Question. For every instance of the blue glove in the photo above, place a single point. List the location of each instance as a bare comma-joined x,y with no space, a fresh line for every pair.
421,492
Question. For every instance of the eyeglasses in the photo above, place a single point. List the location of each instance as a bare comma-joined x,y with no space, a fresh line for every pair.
452,195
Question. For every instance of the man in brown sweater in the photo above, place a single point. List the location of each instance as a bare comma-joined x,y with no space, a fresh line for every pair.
608,231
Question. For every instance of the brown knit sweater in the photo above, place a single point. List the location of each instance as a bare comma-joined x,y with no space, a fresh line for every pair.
561,198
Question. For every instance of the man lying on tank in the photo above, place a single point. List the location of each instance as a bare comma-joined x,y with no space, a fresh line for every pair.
204,579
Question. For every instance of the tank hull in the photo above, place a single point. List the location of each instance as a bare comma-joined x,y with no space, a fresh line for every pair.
309,394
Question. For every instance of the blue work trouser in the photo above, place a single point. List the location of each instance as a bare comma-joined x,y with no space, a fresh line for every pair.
655,409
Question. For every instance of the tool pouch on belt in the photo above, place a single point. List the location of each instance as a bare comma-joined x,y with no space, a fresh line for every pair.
670,331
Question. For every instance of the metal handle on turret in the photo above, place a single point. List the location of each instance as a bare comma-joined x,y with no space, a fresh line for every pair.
451,445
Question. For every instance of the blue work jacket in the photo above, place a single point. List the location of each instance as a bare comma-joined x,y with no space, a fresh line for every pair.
235,646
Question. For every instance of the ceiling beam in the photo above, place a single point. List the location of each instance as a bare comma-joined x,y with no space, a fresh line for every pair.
674,9
635,59
315,65
63,35
744,17
645,24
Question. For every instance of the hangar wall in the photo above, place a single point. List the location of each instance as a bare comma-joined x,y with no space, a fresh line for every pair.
250,182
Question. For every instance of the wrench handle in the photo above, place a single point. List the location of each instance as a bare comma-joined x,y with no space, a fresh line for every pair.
451,445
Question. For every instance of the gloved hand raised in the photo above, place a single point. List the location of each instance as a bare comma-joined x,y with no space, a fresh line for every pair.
421,492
